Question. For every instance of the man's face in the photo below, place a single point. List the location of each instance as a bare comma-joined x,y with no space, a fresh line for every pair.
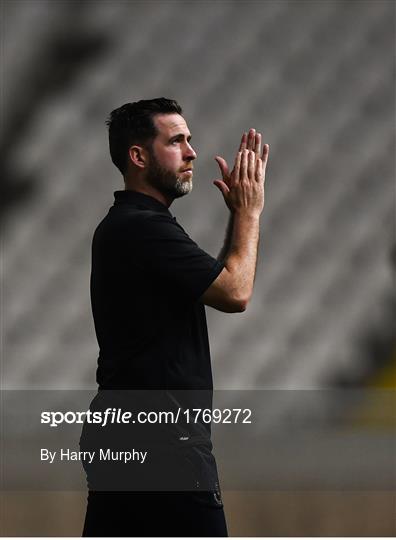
171,156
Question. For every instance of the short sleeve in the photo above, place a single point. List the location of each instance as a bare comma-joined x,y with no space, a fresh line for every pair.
165,251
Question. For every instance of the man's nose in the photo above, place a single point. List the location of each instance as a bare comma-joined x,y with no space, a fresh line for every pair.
190,152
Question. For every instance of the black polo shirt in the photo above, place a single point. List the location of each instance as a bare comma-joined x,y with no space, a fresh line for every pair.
147,280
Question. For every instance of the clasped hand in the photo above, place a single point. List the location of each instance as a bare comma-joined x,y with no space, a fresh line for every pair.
243,187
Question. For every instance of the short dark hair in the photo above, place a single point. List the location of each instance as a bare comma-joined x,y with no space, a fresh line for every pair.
133,123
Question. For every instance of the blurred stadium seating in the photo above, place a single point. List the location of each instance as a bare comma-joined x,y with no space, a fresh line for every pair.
317,78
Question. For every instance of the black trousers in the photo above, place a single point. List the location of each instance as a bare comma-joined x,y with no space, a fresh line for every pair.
154,514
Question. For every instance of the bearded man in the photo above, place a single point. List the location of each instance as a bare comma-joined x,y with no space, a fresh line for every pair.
150,283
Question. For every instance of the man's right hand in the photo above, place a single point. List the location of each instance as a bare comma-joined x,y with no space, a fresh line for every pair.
243,192
243,188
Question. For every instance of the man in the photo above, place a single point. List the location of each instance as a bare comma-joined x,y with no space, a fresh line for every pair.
149,285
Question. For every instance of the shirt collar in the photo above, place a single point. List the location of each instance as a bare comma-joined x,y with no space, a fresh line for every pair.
141,199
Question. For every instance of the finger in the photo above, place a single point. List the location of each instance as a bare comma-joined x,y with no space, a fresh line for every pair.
223,168
222,187
237,167
242,146
250,139
244,162
265,154
257,148
259,170
250,165
265,160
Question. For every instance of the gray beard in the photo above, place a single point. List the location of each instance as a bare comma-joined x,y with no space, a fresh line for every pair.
167,182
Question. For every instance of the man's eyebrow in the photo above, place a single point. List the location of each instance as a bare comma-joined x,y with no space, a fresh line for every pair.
180,136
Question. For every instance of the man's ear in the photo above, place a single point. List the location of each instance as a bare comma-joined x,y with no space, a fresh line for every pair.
138,156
